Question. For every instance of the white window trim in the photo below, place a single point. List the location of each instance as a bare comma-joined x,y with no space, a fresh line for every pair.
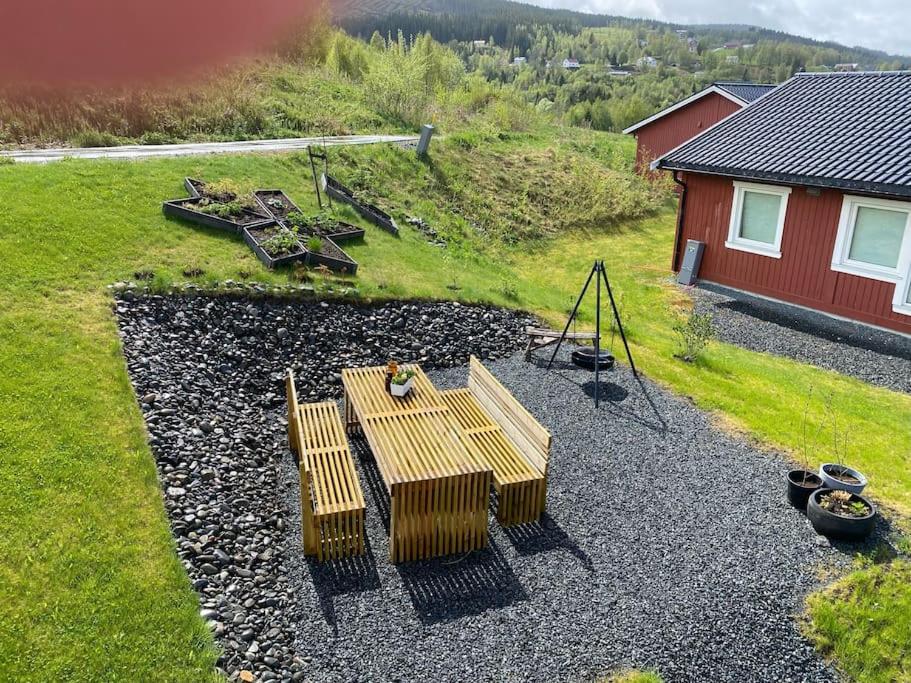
734,240
900,303
840,261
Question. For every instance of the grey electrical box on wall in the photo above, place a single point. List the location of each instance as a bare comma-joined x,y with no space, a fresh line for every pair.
692,259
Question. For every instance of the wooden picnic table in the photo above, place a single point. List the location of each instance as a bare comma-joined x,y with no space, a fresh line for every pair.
438,490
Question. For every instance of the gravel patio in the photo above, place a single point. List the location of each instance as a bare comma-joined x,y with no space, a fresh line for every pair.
667,544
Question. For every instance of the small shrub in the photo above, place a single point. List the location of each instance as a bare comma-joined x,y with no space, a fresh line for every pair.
154,137
161,284
95,138
300,273
509,290
6,161
695,332
315,244
281,243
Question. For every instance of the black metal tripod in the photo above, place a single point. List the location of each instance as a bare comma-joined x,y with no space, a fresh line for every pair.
324,157
599,273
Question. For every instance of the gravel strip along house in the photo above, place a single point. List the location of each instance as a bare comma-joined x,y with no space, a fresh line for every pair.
651,553
805,197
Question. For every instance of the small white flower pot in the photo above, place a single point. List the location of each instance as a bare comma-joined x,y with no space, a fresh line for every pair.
401,390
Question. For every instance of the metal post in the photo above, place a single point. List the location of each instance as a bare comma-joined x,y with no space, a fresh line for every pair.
319,196
424,142
572,317
599,266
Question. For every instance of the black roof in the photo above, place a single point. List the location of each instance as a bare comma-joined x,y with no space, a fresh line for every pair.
746,91
850,131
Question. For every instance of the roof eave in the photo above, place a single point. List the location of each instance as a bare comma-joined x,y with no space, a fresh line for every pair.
902,191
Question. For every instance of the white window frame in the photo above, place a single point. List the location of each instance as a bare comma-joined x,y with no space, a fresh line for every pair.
735,241
900,303
843,264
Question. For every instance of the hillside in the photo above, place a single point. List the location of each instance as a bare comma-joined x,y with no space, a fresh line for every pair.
446,19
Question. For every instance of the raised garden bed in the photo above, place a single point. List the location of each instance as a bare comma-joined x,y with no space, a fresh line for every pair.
194,187
372,213
331,256
276,203
188,210
258,239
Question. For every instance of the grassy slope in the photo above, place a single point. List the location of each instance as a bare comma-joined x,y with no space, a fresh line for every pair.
95,590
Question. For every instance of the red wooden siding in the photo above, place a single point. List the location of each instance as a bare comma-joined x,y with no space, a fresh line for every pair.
803,275
674,129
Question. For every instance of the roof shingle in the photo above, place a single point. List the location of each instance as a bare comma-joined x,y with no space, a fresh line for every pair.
846,130
748,92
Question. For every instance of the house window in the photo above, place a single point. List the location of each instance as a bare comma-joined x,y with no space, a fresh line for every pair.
872,237
757,218
902,302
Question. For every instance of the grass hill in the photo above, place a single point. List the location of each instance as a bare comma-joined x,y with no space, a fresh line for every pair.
500,14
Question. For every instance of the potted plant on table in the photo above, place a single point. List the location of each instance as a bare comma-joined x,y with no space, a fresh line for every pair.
841,514
803,483
401,382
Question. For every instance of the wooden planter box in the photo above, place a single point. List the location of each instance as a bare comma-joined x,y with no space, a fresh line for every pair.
372,213
254,238
333,258
184,210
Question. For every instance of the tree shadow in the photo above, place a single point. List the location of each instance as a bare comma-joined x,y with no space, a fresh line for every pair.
545,536
445,589
344,576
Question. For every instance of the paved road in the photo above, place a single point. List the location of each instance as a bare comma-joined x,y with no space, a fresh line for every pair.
40,156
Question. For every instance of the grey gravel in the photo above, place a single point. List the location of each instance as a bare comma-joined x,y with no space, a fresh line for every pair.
667,544
868,354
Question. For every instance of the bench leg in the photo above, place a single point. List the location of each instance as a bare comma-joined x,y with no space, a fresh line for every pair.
352,425
308,527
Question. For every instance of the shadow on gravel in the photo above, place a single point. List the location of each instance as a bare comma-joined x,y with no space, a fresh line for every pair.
443,589
543,537
613,395
877,547
342,577
370,474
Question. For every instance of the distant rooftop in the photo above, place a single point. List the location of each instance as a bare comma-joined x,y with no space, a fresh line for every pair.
740,92
846,130
745,91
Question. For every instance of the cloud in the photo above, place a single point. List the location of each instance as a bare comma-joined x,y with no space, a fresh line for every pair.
878,24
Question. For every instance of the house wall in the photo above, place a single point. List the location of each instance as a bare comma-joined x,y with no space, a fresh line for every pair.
803,275
679,126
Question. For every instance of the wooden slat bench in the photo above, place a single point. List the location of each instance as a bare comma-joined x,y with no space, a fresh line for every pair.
332,503
539,338
506,438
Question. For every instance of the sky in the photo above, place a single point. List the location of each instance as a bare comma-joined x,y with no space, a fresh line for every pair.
878,24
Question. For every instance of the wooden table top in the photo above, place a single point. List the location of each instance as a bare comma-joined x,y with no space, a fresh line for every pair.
415,437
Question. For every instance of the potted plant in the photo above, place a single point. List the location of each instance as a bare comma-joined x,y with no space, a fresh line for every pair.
841,514
836,475
401,383
803,482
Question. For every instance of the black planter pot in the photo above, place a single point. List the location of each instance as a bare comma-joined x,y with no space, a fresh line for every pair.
836,526
801,485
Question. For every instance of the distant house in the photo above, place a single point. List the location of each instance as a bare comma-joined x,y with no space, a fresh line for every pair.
646,62
732,59
805,196
678,123
519,61
479,44
732,45
571,64
618,73
845,68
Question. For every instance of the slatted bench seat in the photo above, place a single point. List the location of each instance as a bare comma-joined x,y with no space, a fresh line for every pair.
506,438
332,503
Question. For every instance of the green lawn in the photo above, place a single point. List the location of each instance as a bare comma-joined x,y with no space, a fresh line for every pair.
92,589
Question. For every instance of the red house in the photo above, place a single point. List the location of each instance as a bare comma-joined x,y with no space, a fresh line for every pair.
675,125
805,196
